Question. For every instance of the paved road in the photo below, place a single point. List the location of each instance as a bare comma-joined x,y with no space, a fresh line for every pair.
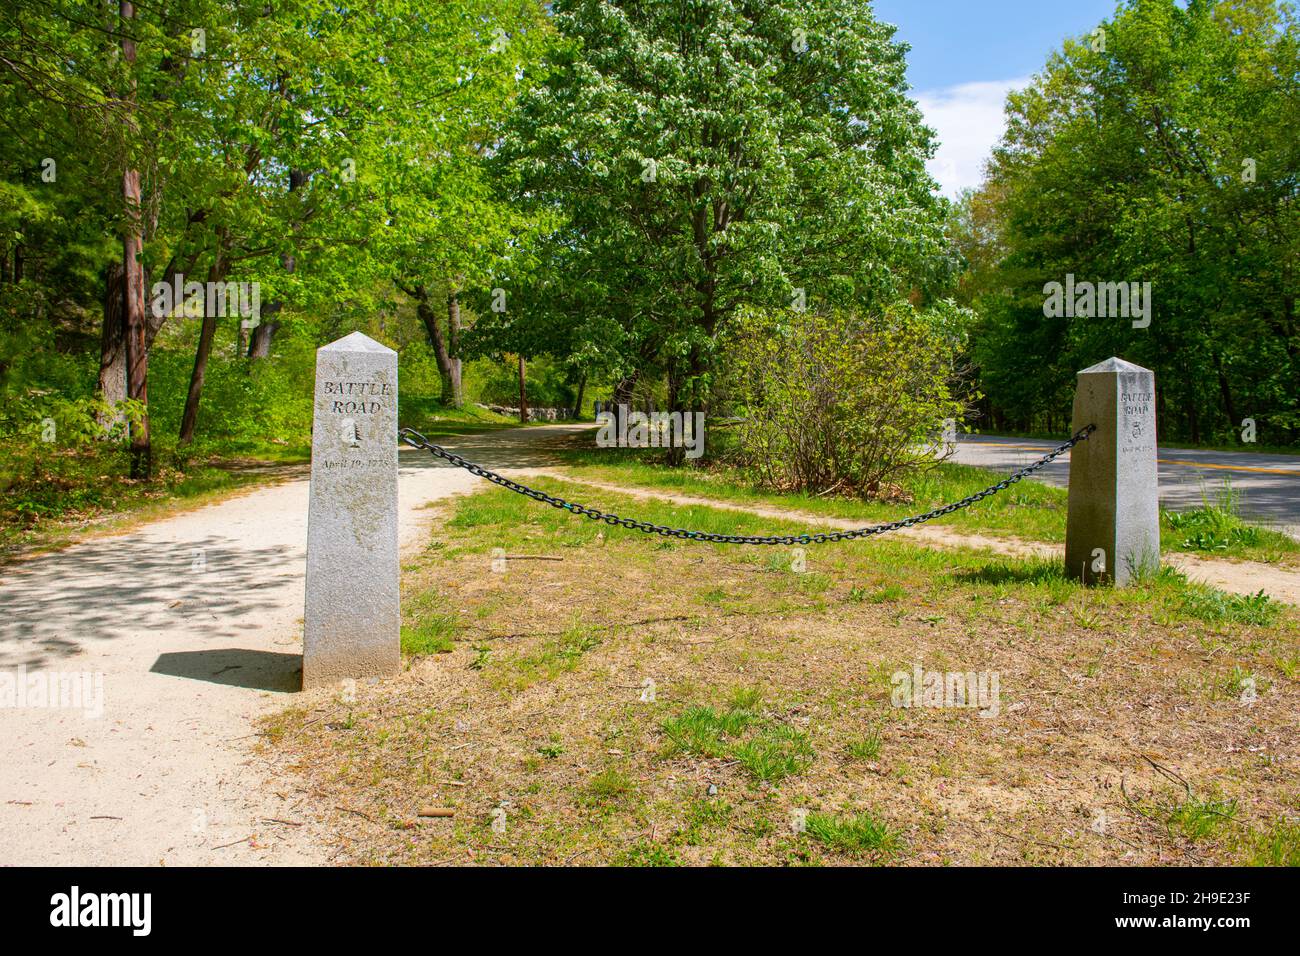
1269,485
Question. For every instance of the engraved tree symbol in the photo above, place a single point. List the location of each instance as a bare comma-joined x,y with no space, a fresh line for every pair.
348,433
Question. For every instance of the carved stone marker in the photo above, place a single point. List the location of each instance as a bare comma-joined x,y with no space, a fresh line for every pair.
1113,529
353,617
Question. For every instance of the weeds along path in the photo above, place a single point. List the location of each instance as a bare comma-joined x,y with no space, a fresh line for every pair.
1235,577
192,628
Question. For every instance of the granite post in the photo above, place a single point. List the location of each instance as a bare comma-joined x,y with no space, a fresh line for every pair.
353,616
1113,528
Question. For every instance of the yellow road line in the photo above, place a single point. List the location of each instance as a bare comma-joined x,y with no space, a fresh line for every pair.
1294,473
1204,464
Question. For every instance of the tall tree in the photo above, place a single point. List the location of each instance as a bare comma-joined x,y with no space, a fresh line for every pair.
1159,149
701,157
444,230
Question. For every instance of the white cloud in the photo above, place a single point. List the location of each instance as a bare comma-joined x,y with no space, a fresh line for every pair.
969,122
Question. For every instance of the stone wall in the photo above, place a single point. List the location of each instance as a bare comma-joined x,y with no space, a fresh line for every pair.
534,414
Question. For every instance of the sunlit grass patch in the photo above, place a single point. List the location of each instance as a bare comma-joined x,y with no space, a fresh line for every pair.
1236,682
1216,607
645,853
1196,819
703,818
429,625
774,753
1217,527
859,835
432,634
553,657
609,788
1278,844
864,748
767,750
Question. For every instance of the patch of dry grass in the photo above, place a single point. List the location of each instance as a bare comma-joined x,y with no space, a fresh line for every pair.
656,702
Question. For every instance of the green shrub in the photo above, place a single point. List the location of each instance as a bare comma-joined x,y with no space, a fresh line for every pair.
837,400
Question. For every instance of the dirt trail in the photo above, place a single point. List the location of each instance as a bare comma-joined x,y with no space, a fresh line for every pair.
1236,577
191,627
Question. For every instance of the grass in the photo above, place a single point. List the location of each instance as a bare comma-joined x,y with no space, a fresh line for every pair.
436,421
608,787
647,854
1215,607
858,835
1218,528
768,751
556,656
431,634
1029,510
771,696
1199,819
1278,844
865,748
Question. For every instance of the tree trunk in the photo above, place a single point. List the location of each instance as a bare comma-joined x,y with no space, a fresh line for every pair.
623,396
137,352
426,313
453,350
111,386
623,390
259,343
676,454
577,402
1225,391
190,417
134,319
686,395
523,393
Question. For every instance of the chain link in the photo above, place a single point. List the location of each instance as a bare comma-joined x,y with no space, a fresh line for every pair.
413,438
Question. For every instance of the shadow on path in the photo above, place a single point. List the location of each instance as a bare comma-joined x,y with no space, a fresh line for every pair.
210,587
235,667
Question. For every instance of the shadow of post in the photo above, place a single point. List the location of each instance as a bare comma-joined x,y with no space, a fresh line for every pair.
235,667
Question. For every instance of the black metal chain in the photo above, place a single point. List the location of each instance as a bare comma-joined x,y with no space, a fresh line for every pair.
413,438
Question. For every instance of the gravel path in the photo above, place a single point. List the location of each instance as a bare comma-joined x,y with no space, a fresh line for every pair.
187,630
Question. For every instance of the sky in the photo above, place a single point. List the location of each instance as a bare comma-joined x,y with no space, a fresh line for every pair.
967,55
